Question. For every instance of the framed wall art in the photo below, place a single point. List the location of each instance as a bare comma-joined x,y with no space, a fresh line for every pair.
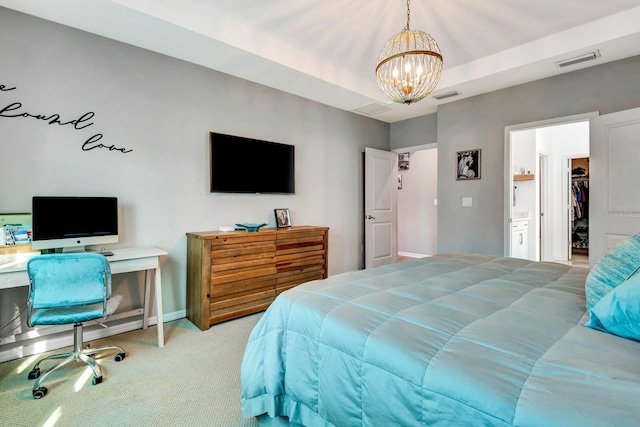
468,165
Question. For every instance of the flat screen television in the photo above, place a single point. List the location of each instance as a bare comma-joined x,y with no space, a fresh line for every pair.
245,165
71,223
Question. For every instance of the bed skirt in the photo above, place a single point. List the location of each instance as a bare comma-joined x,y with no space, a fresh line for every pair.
265,420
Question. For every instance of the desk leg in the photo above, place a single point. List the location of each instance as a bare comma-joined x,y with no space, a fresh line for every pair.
147,293
158,290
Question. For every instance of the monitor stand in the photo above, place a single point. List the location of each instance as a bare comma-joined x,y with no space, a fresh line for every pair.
73,249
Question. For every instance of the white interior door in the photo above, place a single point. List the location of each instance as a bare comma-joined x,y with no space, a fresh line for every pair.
614,203
380,207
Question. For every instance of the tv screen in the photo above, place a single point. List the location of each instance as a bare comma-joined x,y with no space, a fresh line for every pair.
73,222
245,165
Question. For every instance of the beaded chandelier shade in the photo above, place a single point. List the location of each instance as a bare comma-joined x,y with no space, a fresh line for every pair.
409,65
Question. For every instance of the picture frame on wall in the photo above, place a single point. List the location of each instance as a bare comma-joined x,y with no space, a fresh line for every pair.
15,231
468,165
403,161
283,219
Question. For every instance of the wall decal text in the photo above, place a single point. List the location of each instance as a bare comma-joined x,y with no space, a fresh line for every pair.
52,119
90,145
15,110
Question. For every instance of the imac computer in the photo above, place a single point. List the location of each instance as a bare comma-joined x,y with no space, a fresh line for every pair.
71,223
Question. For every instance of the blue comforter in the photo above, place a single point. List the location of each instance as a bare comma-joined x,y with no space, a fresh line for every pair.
451,340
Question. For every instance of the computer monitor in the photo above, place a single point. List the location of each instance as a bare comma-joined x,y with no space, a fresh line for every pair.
71,223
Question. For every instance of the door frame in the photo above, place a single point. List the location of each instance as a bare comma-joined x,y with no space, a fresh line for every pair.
543,203
566,216
414,148
508,164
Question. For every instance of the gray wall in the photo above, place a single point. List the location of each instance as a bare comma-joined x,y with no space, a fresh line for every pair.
479,122
415,132
163,109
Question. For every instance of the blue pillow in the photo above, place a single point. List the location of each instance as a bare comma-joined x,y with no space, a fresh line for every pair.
616,265
618,312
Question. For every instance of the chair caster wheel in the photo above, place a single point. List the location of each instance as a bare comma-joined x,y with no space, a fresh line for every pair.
34,374
96,380
120,356
39,393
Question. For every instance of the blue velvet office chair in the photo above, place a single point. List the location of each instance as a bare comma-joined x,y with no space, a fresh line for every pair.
69,289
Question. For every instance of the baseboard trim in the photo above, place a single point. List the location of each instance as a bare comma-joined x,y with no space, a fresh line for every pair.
92,332
413,255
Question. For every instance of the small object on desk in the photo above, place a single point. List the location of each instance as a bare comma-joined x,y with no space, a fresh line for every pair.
249,226
106,253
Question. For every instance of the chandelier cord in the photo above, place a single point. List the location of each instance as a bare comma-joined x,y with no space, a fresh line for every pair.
408,16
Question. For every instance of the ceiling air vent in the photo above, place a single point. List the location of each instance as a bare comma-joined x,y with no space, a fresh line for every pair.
578,59
447,95
372,109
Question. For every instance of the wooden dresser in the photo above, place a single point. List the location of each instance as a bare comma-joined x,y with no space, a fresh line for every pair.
232,274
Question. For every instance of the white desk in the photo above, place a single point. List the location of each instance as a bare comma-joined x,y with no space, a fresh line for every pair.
13,274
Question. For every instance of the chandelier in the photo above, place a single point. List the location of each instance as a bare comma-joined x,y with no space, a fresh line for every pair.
409,65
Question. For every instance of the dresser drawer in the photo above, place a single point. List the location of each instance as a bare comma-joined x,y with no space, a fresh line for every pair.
233,274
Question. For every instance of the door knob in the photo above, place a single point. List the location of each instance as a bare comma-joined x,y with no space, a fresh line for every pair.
369,217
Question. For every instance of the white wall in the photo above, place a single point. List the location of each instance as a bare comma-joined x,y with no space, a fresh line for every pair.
524,156
163,110
417,214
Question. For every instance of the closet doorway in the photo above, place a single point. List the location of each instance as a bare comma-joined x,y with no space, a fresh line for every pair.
579,209
538,183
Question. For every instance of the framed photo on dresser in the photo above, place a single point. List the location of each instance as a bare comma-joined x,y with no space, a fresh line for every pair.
283,219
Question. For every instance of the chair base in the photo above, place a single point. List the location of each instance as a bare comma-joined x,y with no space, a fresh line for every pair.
77,355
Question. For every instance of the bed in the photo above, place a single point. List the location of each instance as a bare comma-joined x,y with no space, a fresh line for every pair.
455,339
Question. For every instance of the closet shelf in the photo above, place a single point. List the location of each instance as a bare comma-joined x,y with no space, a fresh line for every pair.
523,177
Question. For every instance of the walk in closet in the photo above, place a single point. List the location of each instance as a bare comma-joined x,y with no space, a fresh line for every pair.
580,206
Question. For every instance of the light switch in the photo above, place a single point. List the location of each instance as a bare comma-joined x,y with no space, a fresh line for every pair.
467,202
435,202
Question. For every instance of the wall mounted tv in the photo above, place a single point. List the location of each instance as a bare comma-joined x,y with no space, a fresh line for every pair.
245,165
71,223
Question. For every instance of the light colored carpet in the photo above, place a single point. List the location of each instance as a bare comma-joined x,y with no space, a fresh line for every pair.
193,381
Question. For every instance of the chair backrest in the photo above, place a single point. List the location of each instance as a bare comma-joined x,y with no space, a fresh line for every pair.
68,280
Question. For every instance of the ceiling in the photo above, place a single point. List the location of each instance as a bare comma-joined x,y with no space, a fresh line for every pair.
326,50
